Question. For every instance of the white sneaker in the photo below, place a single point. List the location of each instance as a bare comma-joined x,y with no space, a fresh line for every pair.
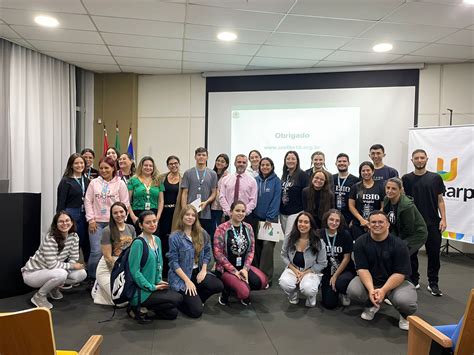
55,294
345,300
293,298
369,313
387,301
417,286
403,323
311,301
41,301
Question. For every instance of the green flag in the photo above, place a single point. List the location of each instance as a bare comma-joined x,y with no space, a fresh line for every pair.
117,138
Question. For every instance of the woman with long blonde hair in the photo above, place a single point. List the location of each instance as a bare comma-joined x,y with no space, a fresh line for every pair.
189,255
145,190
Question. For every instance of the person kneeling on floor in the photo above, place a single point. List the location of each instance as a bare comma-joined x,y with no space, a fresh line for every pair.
304,254
55,262
383,266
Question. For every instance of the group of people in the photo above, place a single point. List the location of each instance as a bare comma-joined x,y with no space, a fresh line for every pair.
355,238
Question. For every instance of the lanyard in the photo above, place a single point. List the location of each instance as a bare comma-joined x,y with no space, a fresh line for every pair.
201,181
239,237
105,188
89,173
154,249
147,188
81,184
333,242
339,181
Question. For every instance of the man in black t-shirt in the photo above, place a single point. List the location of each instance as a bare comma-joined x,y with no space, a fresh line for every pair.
427,190
382,172
342,183
382,263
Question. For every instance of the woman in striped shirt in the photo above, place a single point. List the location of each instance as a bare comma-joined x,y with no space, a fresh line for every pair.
55,263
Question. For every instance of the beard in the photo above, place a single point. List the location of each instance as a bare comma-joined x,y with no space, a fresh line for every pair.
342,170
419,166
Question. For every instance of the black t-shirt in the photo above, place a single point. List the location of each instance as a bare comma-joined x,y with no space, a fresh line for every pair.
425,190
291,198
367,200
382,259
170,195
384,173
391,211
343,244
317,200
237,247
342,188
298,260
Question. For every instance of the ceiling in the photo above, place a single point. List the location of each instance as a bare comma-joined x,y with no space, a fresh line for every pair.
179,36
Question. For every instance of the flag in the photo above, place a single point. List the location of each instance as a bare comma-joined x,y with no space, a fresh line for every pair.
106,142
130,144
117,137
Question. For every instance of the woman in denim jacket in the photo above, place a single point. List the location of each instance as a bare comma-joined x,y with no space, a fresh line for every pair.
189,255
234,246
304,255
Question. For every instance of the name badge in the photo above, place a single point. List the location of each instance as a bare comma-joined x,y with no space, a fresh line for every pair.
238,261
338,202
198,196
147,206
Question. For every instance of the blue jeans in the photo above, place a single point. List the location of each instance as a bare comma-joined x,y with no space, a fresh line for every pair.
96,251
81,224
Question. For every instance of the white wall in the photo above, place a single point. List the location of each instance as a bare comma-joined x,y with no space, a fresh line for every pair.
171,110
446,86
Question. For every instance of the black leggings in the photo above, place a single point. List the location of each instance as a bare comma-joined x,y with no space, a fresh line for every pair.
164,303
192,306
330,299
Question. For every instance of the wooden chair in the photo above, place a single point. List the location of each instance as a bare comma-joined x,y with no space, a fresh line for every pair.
31,332
421,334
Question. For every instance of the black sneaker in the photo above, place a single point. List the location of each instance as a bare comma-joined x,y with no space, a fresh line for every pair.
245,302
434,289
224,298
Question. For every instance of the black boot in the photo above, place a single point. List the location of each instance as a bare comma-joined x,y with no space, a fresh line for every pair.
141,318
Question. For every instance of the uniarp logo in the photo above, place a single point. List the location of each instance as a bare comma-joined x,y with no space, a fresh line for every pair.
447,175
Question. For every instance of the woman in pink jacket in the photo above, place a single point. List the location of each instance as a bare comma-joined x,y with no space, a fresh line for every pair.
100,195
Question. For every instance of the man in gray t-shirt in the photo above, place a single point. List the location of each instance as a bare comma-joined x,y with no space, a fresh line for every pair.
200,181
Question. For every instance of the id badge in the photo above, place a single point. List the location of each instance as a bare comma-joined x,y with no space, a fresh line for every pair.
339,202
82,209
103,211
198,196
147,206
238,261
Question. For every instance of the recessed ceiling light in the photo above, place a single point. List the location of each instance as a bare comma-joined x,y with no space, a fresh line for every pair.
469,2
46,21
227,36
382,47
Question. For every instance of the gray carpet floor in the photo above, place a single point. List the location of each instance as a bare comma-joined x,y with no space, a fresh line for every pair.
270,325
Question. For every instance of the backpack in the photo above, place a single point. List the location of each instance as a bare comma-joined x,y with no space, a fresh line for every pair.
122,285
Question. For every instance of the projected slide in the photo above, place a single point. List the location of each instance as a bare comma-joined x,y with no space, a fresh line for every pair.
330,120
274,131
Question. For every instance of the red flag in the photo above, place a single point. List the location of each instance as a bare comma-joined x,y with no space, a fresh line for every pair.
106,142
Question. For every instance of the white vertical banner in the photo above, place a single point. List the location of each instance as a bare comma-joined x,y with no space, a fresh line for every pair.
451,154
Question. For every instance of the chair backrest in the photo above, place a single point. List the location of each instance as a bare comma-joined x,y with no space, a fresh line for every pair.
27,332
465,345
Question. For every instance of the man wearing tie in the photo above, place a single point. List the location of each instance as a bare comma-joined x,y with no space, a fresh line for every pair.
238,187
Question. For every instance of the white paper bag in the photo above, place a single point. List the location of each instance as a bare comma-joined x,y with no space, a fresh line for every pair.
273,234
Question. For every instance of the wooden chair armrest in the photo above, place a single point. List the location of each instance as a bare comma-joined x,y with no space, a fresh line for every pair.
92,347
430,331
